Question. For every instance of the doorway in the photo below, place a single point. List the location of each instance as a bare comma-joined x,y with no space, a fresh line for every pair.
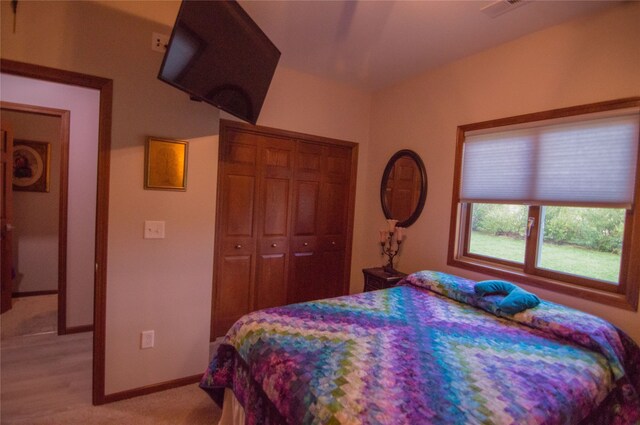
105,89
39,221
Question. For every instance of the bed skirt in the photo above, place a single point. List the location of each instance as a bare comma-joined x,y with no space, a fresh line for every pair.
232,411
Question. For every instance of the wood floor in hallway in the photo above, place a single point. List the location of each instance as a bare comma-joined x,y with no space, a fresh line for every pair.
46,379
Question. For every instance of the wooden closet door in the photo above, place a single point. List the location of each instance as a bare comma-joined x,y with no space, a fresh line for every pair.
236,230
305,270
284,219
320,222
334,198
274,203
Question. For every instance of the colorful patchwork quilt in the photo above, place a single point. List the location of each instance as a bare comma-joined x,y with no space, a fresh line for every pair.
429,351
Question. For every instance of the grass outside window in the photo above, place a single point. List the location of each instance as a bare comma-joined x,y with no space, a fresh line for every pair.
568,258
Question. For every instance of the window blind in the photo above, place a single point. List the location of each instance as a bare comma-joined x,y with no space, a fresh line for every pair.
583,163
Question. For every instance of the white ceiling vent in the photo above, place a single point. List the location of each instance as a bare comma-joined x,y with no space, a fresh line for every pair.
499,7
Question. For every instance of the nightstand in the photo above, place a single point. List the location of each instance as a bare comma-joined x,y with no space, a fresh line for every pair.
376,278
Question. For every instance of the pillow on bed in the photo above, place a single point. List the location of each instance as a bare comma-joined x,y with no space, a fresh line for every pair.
487,287
454,287
516,300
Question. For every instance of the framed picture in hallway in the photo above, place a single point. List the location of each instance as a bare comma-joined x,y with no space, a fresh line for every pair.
165,164
31,163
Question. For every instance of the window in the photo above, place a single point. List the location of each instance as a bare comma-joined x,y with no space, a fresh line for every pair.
549,199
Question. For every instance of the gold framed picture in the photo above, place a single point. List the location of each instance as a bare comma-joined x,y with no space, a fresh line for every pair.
31,163
165,164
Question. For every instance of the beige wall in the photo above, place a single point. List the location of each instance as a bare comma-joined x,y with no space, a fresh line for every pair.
83,104
165,285
35,222
588,60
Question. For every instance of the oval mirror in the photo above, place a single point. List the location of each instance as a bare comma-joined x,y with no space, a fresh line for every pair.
403,190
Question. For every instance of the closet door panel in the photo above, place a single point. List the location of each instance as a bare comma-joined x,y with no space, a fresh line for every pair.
277,156
238,185
239,153
242,154
333,275
235,231
333,198
274,215
307,194
305,275
304,270
307,178
238,205
270,290
273,244
338,163
276,170
309,159
233,291
334,192
305,261
276,194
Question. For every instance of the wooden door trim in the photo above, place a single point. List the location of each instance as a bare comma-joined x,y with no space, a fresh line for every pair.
6,216
350,219
105,87
63,141
286,134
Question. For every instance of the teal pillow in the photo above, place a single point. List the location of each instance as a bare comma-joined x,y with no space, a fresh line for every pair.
487,287
516,300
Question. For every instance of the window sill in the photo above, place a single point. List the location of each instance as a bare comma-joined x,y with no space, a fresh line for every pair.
626,301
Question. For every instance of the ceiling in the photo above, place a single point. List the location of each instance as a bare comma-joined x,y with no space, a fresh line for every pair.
375,44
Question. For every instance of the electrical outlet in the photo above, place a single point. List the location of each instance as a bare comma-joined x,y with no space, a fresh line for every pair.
154,229
147,339
159,42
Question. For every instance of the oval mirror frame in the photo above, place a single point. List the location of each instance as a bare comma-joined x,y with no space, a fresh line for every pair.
423,186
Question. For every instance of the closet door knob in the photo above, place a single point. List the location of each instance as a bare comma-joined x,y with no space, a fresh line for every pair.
238,246
333,243
273,245
306,244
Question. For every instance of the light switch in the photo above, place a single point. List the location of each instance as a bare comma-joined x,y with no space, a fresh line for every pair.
154,229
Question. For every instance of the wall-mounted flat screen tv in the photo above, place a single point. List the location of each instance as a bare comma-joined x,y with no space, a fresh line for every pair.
219,55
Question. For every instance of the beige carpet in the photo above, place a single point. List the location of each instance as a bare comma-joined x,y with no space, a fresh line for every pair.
30,315
187,405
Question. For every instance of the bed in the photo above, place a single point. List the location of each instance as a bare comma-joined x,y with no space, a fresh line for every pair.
429,351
